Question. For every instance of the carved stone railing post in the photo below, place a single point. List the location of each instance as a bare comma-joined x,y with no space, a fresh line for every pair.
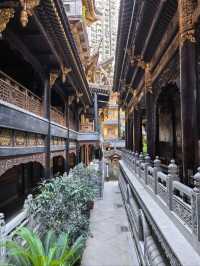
172,176
196,206
128,194
147,163
27,207
135,161
2,238
157,163
141,160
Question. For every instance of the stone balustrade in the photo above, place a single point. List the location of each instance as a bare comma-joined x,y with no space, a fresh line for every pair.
178,197
144,184
24,218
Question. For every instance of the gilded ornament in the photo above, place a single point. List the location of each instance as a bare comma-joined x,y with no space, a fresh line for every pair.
28,7
5,15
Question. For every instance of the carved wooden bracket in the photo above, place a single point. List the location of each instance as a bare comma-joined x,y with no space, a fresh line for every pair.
53,77
78,96
71,98
65,72
28,7
136,60
5,15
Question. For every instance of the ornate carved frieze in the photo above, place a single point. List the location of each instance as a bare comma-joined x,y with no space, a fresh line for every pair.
10,138
57,141
186,24
58,153
5,15
6,164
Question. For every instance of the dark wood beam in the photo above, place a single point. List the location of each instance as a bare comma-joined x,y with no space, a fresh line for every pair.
18,45
45,35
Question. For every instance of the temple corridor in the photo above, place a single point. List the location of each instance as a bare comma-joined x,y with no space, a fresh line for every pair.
110,242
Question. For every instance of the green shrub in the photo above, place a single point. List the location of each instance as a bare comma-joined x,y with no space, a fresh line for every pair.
62,204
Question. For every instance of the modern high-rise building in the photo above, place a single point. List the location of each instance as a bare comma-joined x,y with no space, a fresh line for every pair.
103,33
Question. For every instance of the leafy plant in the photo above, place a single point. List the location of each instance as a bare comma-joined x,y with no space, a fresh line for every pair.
52,251
62,204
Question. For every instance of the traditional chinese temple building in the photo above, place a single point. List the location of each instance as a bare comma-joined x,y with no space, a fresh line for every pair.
44,94
157,76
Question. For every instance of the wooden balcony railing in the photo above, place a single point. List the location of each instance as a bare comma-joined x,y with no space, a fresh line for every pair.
13,92
57,116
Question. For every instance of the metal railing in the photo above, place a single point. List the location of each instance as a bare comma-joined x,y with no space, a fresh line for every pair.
14,93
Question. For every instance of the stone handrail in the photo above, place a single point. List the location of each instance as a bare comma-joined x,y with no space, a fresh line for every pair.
181,200
163,213
24,218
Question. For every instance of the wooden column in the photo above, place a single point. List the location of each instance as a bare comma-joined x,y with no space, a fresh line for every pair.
188,88
96,127
67,139
77,152
47,115
137,131
119,123
66,146
131,132
128,131
151,125
126,128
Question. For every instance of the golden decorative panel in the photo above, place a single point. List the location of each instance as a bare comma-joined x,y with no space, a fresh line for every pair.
5,15
31,140
5,137
40,140
20,138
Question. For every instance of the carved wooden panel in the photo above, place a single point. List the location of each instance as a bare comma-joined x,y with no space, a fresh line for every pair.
58,153
6,164
31,140
20,138
40,140
5,137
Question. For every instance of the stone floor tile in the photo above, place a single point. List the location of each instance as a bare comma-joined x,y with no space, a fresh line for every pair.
108,245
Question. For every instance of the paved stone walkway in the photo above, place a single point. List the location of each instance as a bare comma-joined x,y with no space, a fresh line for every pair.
110,243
